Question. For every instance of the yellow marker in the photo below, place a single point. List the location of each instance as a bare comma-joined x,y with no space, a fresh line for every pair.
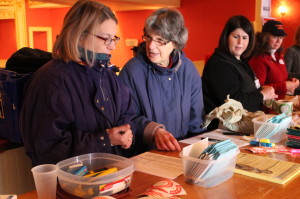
264,140
93,174
108,171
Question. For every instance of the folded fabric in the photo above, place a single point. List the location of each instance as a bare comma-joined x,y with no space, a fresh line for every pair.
233,117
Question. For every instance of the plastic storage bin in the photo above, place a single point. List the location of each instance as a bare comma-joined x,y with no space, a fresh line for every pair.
281,130
11,94
214,172
88,187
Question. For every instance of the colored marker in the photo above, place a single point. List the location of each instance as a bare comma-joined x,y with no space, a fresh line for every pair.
295,150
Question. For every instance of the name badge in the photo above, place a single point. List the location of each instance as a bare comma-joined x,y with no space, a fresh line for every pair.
281,61
257,84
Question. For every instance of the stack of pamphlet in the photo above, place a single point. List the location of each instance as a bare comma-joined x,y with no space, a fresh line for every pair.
210,165
293,137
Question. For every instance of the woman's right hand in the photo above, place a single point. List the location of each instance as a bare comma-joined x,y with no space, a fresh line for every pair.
165,141
121,135
295,81
268,92
291,86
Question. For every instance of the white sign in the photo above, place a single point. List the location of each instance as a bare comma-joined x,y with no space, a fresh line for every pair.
265,8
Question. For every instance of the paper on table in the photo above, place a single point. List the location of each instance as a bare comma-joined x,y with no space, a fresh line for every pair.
264,168
217,135
158,165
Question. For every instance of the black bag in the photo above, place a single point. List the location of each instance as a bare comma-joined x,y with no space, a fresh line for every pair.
27,60
19,68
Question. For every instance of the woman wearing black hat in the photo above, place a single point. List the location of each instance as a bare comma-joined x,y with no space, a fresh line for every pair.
267,61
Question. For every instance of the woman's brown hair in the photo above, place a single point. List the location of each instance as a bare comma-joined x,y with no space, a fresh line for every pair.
82,18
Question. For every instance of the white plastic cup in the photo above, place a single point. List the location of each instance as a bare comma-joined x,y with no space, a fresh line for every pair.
45,179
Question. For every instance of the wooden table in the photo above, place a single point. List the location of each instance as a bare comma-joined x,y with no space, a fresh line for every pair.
238,187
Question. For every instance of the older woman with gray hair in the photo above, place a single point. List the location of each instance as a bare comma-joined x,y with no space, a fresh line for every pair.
165,84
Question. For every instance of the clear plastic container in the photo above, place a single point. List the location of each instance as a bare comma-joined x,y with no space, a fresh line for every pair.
281,130
88,187
210,173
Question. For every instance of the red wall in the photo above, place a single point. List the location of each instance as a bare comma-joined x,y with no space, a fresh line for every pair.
43,17
57,18
290,21
34,17
130,27
38,18
40,40
204,20
7,38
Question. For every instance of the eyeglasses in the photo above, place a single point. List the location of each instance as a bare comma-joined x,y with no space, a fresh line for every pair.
107,41
158,42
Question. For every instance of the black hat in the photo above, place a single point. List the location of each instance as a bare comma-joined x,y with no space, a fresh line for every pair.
274,27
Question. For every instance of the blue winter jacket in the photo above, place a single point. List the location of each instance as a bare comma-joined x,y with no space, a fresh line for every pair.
168,96
67,109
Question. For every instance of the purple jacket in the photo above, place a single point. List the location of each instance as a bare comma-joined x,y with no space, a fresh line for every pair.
67,109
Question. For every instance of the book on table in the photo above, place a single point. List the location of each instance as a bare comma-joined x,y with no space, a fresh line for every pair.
277,171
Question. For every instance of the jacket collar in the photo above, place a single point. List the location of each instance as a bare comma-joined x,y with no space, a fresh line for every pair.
177,61
229,57
269,57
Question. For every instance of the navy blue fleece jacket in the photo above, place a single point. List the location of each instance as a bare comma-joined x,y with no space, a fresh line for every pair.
165,97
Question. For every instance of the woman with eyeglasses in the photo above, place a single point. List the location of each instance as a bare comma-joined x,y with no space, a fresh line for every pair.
227,71
165,84
75,104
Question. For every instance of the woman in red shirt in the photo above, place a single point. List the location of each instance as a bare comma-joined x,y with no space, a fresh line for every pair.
267,61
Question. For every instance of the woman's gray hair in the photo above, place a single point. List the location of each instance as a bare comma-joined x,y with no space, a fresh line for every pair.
169,24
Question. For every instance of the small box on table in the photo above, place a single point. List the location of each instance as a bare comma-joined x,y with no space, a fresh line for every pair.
207,172
281,128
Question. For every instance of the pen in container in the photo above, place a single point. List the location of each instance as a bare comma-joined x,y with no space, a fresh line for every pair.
235,133
212,140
